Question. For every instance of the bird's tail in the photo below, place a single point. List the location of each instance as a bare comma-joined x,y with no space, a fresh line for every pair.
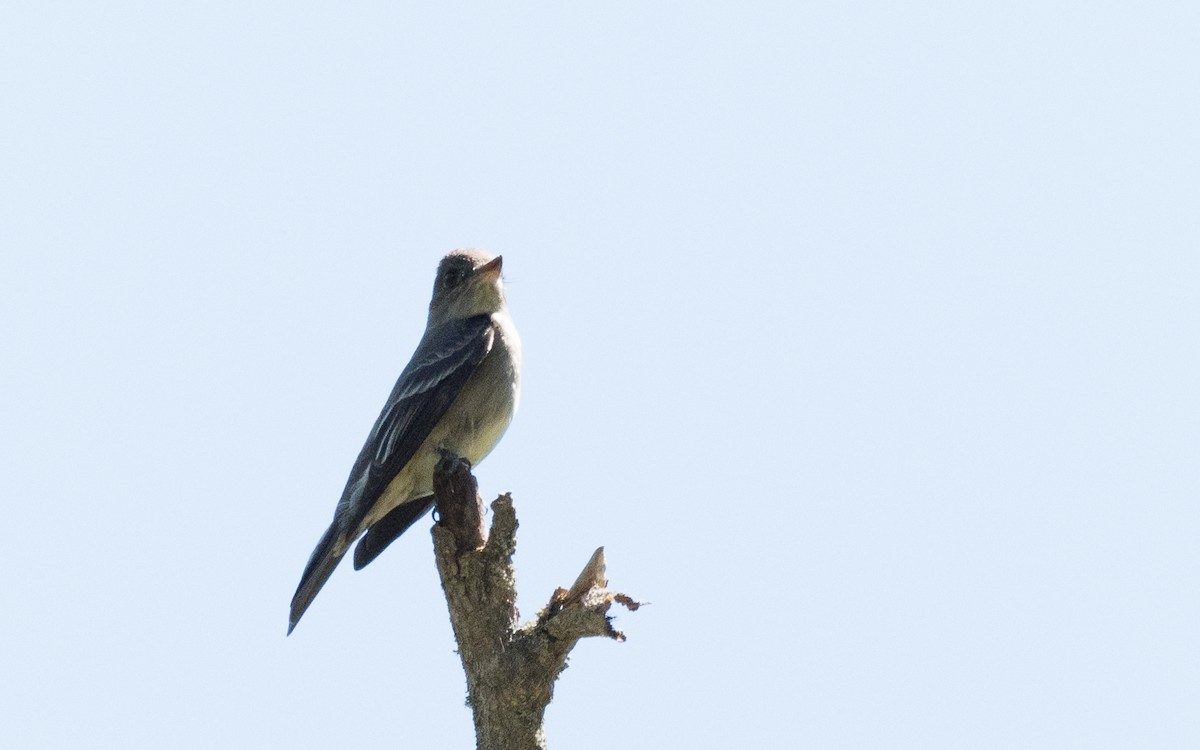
320,566
387,529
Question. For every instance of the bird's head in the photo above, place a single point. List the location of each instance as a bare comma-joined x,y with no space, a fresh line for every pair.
468,283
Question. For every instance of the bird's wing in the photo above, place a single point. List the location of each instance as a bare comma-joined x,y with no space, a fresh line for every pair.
443,362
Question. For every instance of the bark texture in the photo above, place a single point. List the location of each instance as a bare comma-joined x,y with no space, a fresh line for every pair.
511,668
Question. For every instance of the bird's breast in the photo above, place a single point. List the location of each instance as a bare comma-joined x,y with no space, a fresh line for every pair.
485,407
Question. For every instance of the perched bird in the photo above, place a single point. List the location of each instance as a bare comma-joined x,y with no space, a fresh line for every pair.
458,393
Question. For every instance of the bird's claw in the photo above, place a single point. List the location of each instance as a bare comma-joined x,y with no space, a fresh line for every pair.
449,457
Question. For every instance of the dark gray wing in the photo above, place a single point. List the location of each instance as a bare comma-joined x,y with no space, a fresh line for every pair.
443,362
388,529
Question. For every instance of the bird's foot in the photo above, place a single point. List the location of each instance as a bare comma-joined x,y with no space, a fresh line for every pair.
449,458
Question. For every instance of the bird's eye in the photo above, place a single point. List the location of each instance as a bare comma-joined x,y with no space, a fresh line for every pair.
453,277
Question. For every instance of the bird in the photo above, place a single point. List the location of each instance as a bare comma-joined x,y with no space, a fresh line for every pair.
458,393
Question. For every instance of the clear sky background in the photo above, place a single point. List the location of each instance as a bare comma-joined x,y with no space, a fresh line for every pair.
863,336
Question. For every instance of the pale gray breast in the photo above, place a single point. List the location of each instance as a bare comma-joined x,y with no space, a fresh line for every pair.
481,414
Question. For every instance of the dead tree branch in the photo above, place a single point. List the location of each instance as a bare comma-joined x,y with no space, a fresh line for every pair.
511,668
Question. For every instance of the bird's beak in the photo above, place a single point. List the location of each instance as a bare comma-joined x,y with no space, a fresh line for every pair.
492,267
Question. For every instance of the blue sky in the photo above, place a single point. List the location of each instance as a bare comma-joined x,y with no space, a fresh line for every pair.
862,335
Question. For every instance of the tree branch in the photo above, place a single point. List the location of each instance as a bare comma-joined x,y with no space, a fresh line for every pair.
511,668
